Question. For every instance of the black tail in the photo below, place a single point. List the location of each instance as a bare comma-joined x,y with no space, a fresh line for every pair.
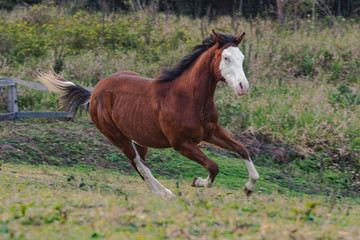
74,97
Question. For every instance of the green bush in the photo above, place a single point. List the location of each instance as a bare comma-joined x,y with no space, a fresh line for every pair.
39,33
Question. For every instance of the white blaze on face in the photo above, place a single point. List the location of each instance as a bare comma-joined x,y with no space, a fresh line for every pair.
231,68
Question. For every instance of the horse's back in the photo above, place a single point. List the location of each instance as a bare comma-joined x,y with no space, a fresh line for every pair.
124,81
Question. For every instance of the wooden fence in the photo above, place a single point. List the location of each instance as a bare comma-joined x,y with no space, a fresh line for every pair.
13,110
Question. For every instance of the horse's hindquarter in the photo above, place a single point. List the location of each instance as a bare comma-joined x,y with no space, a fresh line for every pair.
128,101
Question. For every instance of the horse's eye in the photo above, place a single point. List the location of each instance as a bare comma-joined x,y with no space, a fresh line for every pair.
227,59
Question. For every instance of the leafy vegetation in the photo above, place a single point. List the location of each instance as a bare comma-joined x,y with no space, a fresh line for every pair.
326,9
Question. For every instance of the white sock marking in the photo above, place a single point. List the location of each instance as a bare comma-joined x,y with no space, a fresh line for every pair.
154,185
253,175
200,182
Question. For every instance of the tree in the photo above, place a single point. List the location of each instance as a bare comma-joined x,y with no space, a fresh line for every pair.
281,10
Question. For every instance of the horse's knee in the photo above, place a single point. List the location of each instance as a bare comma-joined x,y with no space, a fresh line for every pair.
243,152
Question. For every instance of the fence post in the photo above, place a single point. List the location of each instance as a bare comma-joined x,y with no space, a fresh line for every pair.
12,99
13,110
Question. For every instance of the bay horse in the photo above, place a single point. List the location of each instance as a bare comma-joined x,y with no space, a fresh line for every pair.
176,109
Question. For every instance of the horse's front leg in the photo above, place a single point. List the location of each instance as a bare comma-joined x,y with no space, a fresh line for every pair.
220,138
191,151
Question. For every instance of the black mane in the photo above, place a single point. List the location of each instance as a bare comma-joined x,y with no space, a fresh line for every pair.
170,74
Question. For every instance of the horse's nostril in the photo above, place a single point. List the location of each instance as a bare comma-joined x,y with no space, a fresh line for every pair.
241,86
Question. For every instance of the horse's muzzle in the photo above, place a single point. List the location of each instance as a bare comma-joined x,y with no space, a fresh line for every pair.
241,89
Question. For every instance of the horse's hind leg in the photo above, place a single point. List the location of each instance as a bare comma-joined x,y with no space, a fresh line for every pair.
117,138
134,152
141,150
154,185
131,151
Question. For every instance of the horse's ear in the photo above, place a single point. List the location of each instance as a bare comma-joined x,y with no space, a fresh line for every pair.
240,38
217,37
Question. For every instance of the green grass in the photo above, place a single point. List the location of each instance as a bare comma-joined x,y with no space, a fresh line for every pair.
47,202
79,143
63,180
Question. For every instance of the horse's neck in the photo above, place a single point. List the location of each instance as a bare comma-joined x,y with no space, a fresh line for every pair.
200,81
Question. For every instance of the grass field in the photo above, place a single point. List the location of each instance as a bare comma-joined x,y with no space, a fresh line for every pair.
62,180
46,202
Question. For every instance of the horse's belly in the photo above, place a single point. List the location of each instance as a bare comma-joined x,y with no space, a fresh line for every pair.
144,134
139,122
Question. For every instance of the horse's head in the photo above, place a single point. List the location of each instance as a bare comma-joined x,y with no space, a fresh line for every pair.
228,62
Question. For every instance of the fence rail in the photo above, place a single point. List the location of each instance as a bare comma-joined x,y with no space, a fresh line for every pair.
13,110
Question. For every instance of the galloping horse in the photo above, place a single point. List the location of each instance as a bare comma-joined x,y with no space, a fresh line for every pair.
176,109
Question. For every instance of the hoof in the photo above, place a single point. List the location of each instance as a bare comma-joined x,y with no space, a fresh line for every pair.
193,182
248,192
